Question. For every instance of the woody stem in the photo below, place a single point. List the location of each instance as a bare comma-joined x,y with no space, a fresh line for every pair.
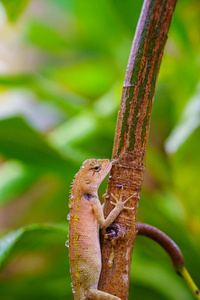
172,250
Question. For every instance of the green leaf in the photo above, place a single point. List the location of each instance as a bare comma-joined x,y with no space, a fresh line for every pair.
20,141
14,8
189,122
157,164
88,78
148,272
16,80
49,90
9,242
45,90
15,178
76,128
43,36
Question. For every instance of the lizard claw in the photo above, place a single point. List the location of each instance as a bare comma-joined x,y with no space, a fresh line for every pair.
130,208
115,199
118,202
113,203
134,194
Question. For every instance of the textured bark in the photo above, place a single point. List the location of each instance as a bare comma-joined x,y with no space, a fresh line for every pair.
130,142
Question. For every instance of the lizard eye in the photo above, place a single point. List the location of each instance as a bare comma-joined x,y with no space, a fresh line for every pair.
97,168
87,182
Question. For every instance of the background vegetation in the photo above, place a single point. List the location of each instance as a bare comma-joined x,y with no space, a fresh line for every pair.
62,67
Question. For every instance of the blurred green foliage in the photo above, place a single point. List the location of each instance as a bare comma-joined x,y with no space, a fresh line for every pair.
62,69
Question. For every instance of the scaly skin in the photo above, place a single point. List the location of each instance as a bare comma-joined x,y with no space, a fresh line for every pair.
86,214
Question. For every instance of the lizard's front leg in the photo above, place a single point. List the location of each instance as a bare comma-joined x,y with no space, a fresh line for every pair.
119,207
94,294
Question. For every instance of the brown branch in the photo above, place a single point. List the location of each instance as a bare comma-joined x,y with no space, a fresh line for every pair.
172,250
164,241
130,143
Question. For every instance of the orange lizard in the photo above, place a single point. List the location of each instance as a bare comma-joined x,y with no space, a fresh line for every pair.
86,215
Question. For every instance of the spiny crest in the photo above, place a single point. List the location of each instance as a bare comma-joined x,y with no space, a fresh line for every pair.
87,164
75,183
74,189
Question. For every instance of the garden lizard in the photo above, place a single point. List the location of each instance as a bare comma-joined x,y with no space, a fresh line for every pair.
86,215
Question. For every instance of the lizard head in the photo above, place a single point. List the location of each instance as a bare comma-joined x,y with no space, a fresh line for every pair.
93,173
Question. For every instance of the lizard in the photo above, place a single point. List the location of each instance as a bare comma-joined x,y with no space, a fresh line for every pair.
86,216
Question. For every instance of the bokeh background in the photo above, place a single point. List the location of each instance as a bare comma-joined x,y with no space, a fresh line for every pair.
62,65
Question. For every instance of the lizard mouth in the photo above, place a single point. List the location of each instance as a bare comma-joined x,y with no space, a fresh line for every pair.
108,166
107,170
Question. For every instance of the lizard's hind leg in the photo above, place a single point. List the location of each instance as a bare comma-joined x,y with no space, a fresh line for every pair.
99,295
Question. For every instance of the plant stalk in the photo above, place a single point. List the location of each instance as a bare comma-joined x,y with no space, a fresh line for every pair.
129,150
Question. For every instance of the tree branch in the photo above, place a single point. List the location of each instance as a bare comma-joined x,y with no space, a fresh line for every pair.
130,142
172,250
164,241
